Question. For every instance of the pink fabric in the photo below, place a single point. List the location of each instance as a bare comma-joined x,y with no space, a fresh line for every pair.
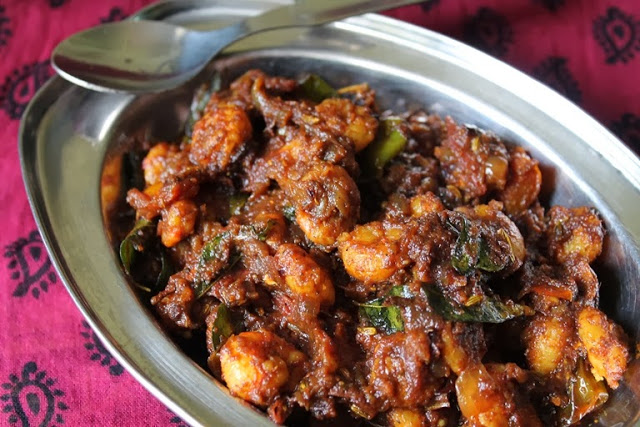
53,371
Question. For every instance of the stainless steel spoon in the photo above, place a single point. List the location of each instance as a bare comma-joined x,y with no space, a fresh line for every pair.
153,56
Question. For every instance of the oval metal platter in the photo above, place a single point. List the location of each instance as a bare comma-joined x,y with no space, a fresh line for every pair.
68,134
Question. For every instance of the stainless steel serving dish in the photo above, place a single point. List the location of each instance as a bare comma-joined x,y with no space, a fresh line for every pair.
68,132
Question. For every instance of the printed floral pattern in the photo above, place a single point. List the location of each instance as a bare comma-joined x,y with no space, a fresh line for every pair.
30,266
32,398
20,86
618,34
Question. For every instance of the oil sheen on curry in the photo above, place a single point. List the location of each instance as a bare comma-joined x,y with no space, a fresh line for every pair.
333,263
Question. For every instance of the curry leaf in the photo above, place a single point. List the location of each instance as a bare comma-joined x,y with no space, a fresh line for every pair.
464,250
134,242
222,326
165,270
132,174
487,310
484,259
385,318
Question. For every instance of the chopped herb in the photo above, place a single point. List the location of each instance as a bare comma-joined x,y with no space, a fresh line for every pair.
473,252
401,291
237,202
212,248
199,104
289,212
316,88
201,287
134,242
222,326
385,318
264,233
486,310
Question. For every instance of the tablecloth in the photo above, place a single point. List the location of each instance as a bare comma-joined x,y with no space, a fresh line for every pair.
53,368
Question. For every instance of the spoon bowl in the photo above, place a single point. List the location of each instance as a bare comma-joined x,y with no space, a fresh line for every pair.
131,56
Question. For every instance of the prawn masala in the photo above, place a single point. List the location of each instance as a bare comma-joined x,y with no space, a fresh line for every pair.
347,265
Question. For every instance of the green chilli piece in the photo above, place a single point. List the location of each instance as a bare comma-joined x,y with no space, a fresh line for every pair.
316,88
390,142
585,394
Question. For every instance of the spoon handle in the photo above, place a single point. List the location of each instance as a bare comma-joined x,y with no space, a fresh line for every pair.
315,12
301,13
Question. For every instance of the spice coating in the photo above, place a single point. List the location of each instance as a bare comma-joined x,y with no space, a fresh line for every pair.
347,264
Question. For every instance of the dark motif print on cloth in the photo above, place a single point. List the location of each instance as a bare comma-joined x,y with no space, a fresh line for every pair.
489,31
555,73
99,352
175,420
618,34
56,3
5,32
32,399
628,130
21,85
552,5
429,4
30,264
115,14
